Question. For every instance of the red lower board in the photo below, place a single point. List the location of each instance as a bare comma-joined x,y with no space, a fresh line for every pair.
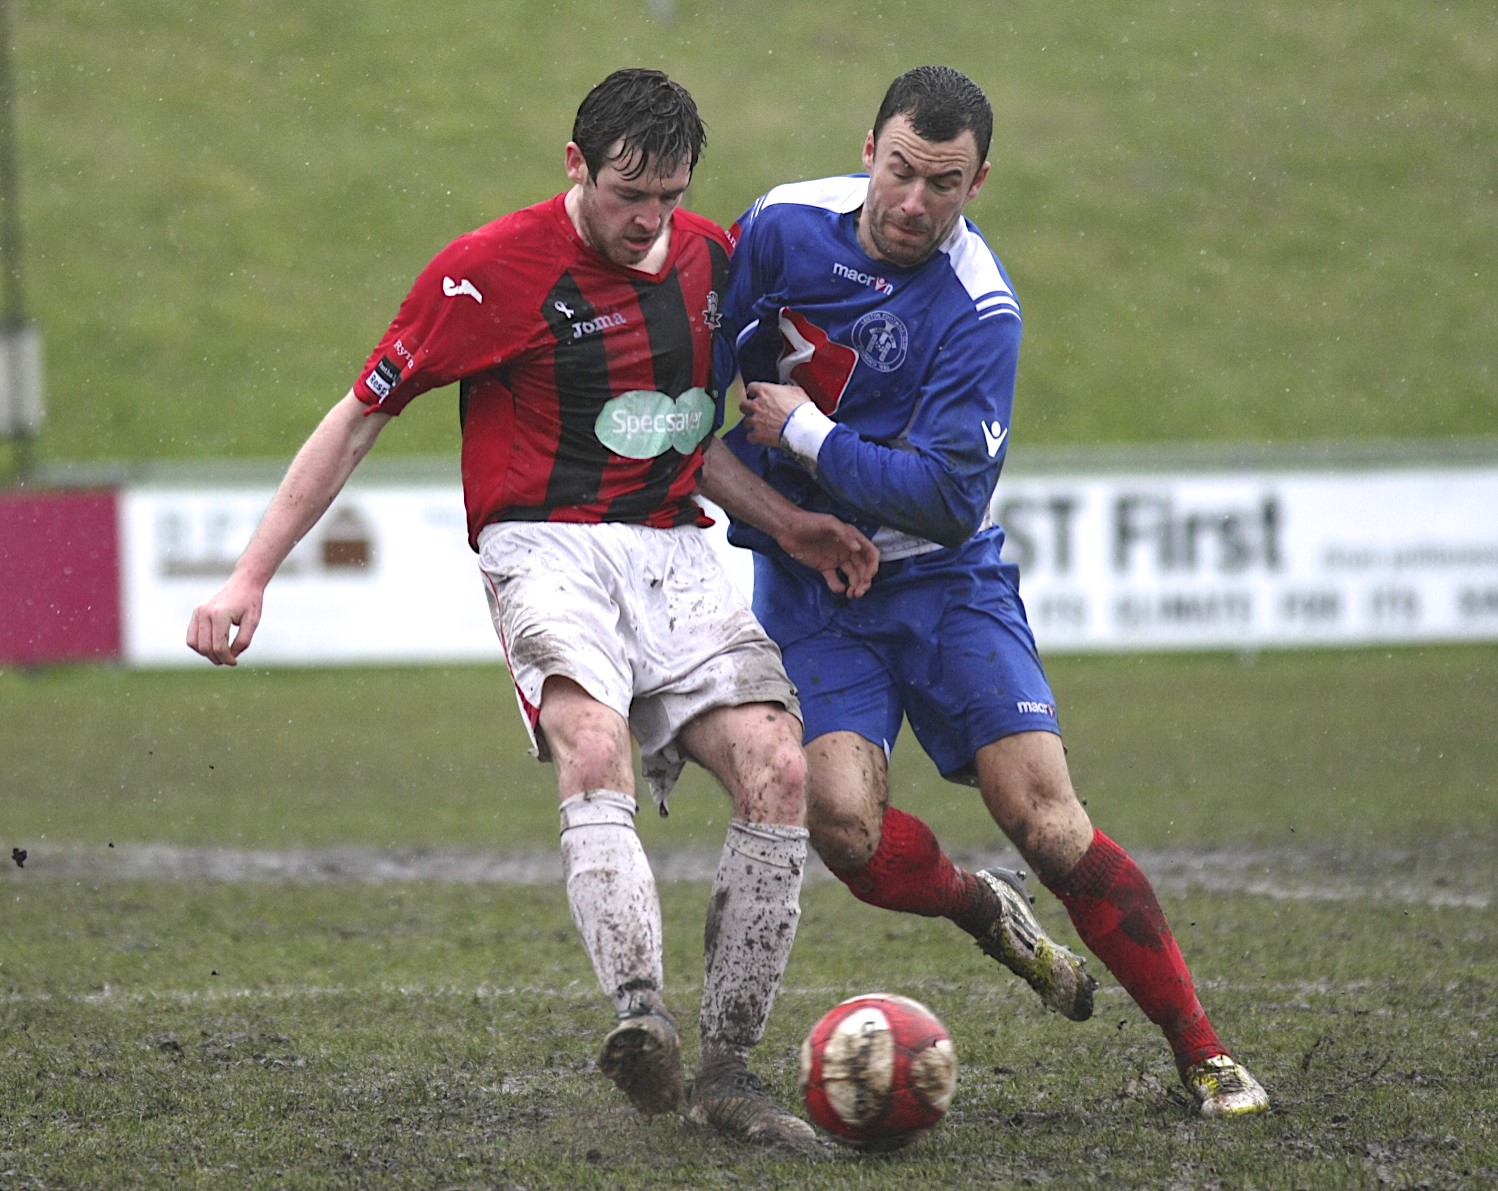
59,577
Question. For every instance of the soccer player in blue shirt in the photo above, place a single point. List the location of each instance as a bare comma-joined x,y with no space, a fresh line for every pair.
877,336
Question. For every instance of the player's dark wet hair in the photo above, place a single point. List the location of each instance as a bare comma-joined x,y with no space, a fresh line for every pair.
941,104
654,117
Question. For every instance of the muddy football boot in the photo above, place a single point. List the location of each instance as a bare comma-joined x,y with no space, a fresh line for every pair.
728,1097
1017,940
642,1055
1223,1088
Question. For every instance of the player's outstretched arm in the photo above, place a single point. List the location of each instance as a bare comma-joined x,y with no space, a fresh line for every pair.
844,556
316,476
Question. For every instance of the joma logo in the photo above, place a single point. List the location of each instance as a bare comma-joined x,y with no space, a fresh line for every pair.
602,323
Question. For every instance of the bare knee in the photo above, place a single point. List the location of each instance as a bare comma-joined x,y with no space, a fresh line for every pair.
1028,791
591,757
755,751
775,789
844,835
589,743
1053,837
846,793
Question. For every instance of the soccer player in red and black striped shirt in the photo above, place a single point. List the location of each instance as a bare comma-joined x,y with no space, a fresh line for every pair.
579,332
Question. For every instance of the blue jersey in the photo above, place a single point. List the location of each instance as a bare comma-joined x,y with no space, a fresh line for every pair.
916,367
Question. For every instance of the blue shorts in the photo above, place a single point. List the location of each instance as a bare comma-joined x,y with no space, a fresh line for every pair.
940,640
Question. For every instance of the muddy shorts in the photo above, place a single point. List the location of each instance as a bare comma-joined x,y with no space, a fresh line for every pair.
647,621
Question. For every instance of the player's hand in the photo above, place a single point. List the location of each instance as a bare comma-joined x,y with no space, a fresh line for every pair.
766,408
237,604
846,558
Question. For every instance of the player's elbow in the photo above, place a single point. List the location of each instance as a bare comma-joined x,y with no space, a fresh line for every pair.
935,526
955,534
955,521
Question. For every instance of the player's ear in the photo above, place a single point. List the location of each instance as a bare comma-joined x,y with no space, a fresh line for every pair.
972,191
868,154
577,164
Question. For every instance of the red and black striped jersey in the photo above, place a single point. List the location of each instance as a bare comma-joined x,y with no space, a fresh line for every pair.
586,388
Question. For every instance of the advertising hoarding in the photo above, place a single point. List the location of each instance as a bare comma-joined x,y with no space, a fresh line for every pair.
1184,560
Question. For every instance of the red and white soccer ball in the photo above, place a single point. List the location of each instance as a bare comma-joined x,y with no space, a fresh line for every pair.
878,1071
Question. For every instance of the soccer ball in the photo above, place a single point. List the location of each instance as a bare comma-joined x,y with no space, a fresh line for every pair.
878,1071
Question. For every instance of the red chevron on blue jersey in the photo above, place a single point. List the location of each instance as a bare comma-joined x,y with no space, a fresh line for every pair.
810,359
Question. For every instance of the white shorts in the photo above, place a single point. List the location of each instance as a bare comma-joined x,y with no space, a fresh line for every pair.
647,621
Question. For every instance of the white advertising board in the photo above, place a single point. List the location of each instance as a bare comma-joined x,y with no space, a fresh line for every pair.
1244,560
1115,562
385,576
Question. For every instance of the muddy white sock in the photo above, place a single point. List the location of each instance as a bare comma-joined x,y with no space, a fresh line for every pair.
612,894
751,923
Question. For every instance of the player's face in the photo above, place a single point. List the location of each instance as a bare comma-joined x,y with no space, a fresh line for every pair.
917,189
625,217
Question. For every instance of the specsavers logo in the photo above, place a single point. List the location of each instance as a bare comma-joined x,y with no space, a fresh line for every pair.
641,424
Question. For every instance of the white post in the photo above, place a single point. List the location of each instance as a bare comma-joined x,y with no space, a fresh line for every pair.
20,381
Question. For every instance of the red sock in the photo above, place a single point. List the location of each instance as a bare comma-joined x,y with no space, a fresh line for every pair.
1114,908
909,872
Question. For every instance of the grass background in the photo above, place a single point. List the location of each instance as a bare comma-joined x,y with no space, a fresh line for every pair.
1257,224
1352,749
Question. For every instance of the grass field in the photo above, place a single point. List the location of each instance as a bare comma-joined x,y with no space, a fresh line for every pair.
274,930
423,1035
1355,749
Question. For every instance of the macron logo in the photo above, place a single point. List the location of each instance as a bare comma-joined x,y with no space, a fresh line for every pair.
880,285
994,435
455,289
